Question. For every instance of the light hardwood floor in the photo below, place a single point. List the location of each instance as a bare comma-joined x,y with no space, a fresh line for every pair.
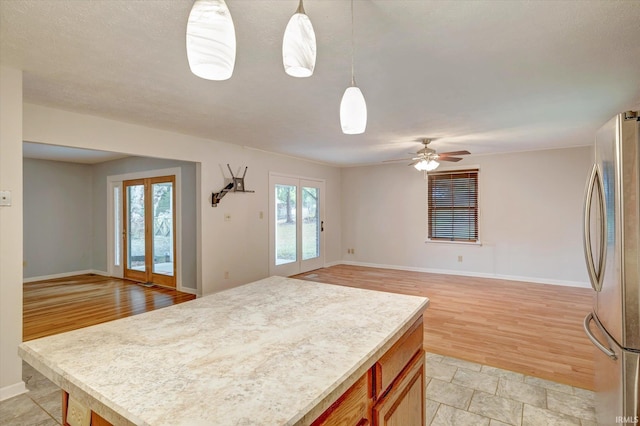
64,304
535,329
529,328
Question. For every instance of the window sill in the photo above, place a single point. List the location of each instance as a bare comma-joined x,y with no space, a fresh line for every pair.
466,243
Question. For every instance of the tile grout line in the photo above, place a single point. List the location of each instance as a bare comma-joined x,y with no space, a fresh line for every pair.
43,409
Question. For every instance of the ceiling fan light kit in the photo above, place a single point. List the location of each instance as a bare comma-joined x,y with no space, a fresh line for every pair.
424,159
299,45
211,40
426,165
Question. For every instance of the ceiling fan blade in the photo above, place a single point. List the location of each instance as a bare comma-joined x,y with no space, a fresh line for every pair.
454,159
397,159
414,163
447,154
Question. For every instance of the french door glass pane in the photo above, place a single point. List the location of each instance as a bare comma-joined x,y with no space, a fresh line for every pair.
135,227
310,224
286,230
162,198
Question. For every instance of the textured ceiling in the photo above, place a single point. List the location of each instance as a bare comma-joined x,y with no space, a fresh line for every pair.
486,76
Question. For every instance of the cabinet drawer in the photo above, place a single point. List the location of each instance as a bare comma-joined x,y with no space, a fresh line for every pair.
405,403
353,408
396,358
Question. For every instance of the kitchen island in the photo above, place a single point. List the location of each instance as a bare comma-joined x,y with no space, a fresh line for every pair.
278,351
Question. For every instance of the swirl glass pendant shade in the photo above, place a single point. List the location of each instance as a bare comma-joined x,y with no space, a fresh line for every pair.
299,45
211,40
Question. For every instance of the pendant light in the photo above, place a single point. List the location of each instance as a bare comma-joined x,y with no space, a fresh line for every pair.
211,40
353,108
299,45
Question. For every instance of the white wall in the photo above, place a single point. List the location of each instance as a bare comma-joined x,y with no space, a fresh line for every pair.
58,223
239,246
530,218
11,232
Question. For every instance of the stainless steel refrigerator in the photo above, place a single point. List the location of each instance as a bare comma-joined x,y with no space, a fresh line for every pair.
612,253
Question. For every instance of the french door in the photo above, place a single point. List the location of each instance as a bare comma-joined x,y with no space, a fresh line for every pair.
148,230
296,225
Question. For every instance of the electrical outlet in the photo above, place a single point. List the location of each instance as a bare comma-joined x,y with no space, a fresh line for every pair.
226,275
227,217
261,215
459,258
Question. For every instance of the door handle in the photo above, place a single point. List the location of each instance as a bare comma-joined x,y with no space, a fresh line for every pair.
608,351
595,276
322,226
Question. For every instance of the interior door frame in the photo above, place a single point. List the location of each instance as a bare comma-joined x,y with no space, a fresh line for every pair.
299,265
116,180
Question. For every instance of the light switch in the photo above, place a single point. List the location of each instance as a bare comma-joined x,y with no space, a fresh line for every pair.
227,217
5,198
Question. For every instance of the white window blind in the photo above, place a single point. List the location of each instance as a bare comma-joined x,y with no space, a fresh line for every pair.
453,205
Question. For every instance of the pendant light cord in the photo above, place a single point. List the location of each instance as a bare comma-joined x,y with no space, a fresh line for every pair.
353,79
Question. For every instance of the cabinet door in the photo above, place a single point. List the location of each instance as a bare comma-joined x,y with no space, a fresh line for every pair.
353,408
404,404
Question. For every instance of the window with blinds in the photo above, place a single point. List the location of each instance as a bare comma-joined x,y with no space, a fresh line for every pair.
453,205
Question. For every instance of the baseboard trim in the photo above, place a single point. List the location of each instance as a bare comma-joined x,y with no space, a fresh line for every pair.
12,390
188,290
535,280
65,274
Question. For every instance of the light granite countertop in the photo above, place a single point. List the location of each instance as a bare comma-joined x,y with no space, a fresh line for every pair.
277,351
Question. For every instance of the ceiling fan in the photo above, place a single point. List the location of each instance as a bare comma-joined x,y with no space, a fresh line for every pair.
425,158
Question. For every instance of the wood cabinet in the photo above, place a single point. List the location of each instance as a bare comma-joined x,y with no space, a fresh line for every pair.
387,369
93,419
390,393
353,408
404,404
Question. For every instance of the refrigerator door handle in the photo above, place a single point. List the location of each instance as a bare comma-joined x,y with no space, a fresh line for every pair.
608,351
595,275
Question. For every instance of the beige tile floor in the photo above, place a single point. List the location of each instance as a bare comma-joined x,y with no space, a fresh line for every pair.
41,406
459,393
